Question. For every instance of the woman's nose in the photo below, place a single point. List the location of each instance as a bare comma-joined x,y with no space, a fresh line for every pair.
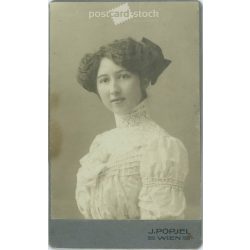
114,87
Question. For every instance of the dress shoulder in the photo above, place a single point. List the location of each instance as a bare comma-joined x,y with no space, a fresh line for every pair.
97,151
165,156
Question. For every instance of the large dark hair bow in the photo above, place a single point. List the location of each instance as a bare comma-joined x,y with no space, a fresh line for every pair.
154,59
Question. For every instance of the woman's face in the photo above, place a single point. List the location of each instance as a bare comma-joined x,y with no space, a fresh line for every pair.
119,89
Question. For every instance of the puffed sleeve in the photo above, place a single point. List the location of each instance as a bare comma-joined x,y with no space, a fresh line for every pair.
92,165
163,170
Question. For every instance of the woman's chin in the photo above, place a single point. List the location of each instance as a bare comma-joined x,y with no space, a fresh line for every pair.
120,111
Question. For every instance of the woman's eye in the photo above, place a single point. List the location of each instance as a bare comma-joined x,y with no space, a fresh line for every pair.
124,76
104,80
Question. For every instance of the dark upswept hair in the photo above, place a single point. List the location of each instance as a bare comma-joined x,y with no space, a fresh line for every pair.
143,58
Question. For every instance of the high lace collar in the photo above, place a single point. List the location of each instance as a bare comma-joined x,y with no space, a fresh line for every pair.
138,116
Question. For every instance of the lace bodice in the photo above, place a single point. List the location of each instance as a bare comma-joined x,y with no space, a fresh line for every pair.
134,171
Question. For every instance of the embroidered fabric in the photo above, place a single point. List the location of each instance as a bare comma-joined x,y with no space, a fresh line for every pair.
135,171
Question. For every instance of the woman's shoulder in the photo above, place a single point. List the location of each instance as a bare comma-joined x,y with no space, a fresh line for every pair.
103,136
161,137
165,149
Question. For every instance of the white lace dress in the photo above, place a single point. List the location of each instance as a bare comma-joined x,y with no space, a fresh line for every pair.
134,171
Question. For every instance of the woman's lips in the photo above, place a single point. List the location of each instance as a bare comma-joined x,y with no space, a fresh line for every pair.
117,100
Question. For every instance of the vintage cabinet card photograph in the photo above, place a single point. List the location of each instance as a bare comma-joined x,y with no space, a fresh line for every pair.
125,82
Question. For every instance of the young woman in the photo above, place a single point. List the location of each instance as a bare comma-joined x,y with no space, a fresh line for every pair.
136,170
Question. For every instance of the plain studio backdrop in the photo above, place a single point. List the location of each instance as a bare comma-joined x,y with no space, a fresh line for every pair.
77,116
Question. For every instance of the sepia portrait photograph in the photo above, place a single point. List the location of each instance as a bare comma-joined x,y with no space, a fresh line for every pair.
124,122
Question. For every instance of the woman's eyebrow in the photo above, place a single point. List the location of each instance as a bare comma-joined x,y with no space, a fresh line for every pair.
116,72
102,75
121,70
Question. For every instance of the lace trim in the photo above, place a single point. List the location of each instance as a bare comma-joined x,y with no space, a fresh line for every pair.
124,160
132,170
150,181
138,116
